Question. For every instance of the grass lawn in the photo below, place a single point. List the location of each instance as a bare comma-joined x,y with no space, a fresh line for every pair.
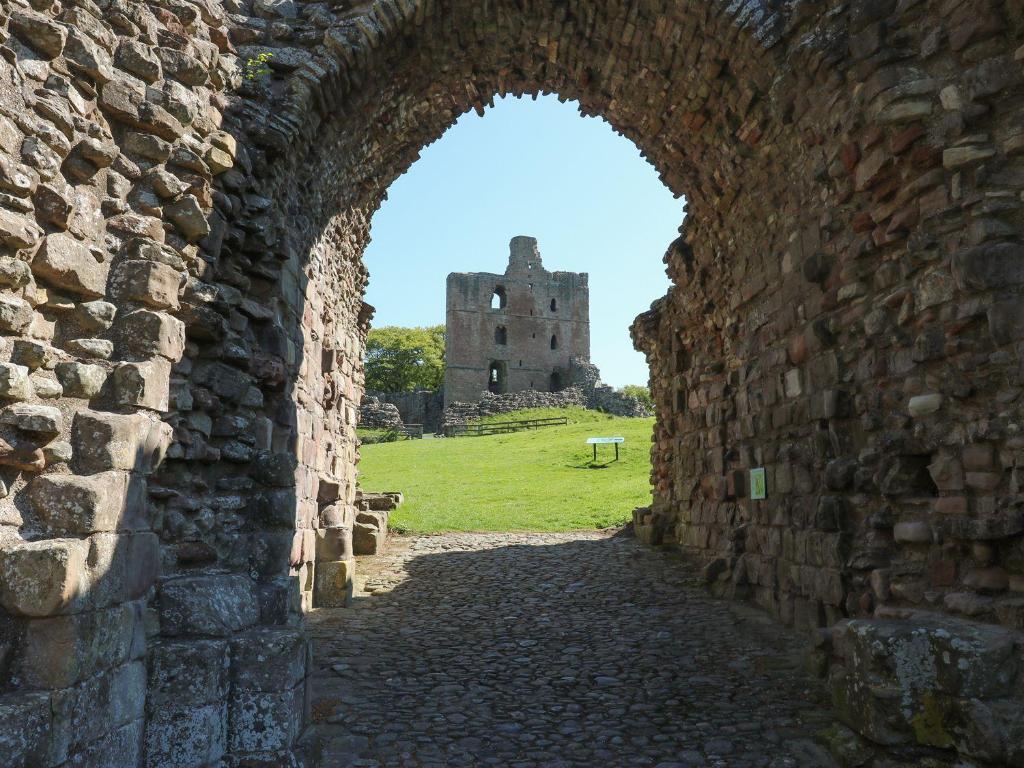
541,480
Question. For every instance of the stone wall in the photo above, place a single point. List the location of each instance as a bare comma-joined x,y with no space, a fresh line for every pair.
495,405
373,414
601,397
182,317
421,407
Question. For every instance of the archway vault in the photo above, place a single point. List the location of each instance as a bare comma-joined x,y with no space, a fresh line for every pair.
186,194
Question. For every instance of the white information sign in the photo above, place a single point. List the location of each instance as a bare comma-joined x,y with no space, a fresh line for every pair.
604,440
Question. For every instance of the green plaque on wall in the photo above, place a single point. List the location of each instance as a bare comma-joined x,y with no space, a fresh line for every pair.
758,484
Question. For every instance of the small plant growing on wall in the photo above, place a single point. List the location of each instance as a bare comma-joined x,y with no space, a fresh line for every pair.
256,67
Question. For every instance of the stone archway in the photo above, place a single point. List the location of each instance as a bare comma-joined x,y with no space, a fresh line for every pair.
187,188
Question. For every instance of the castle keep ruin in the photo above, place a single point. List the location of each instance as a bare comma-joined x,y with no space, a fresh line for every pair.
516,331
182,321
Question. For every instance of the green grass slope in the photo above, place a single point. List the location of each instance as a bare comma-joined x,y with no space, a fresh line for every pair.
541,480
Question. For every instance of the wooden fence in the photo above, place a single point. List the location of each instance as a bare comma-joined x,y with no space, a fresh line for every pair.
502,427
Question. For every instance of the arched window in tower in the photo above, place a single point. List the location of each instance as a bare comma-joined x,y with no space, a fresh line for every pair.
501,335
554,305
498,298
554,342
496,378
556,382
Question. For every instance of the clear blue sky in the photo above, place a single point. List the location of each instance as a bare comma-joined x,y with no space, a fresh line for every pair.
528,168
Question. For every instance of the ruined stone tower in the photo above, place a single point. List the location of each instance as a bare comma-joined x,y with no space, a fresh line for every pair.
516,331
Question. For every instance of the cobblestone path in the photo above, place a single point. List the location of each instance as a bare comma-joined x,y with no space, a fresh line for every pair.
580,649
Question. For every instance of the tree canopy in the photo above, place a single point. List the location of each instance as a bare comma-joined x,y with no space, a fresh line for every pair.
640,392
405,359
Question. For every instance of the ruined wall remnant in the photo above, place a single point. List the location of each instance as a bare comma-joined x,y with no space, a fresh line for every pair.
516,331
420,407
182,320
373,414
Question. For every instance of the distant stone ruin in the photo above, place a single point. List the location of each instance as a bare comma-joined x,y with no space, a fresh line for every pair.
517,331
585,391
373,414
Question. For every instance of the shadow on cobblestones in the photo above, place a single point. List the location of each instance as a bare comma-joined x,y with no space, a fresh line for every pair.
576,649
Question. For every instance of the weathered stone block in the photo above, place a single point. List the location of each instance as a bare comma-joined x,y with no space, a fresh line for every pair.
86,55
183,737
275,508
121,567
144,385
148,282
81,379
338,515
34,354
95,315
924,405
120,747
1006,321
14,382
912,681
912,533
99,706
18,231
992,265
188,216
186,674
262,721
105,441
334,544
67,263
137,58
40,32
25,736
60,651
225,381
367,538
42,419
270,553
268,660
332,584
43,578
144,334
99,349
15,314
275,469
216,606
82,504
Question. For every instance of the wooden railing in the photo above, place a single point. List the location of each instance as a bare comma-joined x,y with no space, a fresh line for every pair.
412,431
502,427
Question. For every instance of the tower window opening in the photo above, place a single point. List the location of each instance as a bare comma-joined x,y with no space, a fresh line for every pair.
554,342
498,298
554,305
501,335
556,382
496,378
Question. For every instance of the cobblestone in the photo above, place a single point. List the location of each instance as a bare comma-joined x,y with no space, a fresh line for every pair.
533,650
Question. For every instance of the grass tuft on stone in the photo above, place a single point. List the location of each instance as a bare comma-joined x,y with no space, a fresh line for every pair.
541,480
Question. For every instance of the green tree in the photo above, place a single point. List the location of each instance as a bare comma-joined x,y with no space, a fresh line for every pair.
405,359
640,392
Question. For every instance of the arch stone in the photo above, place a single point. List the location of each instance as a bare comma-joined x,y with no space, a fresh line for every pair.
185,194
